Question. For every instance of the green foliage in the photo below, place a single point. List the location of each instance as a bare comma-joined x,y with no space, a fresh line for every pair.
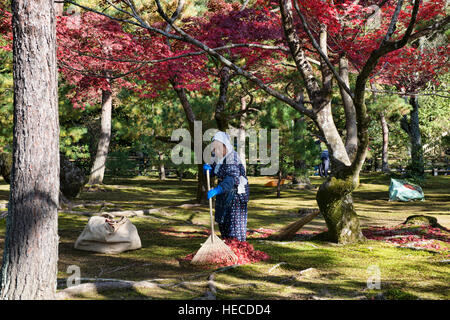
435,122
393,108
299,151
78,130
119,163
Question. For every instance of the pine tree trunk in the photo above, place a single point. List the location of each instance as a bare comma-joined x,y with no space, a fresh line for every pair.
162,171
384,155
98,169
416,139
190,117
220,116
279,176
29,269
241,134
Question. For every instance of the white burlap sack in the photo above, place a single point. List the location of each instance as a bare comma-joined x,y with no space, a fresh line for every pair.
104,234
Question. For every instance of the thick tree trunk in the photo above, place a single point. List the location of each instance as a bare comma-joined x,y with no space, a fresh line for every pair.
220,116
190,116
201,186
336,205
162,170
300,180
241,134
334,195
351,139
59,9
29,269
384,150
98,169
385,136
417,164
280,176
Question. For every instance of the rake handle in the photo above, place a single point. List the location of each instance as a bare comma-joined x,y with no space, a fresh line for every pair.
210,208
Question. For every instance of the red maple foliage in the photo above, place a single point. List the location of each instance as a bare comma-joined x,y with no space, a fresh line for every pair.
92,50
412,69
98,48
5,29
245,252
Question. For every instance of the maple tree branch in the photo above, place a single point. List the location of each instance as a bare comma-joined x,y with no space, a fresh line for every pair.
393,23
244,5
119,9
102,74
404,40
187,38
178,10
319,50
400,93
140,22
241,113
213,53
189,54
298,55
427,30
97,12
385,47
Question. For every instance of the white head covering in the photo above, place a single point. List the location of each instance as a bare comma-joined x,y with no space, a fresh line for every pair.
225,139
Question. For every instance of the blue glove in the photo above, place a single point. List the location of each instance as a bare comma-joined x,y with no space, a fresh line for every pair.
207,167
214,192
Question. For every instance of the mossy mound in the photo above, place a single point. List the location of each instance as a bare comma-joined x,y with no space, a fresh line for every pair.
423,220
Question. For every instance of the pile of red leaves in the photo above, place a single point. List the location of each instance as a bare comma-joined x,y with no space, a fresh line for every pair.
425,237
243,250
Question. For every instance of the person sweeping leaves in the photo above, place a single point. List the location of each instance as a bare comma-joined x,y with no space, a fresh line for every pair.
232,192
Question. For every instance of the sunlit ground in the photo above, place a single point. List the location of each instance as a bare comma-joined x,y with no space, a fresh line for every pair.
338,271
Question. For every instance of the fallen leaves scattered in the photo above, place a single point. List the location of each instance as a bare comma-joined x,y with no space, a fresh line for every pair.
424,237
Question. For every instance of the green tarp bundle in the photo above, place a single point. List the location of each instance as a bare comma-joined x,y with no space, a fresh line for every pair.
402,190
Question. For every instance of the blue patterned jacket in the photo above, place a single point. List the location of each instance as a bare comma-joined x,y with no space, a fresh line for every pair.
228,174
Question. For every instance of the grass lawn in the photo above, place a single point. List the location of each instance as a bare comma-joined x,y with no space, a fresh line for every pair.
334,271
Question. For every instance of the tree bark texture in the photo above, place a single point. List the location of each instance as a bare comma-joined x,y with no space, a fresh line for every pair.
162,170
384,150
29,269
351,139
98,169
334,195
412,128
242,134
190,117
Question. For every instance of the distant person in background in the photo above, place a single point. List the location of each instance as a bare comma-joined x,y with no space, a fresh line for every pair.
325,164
